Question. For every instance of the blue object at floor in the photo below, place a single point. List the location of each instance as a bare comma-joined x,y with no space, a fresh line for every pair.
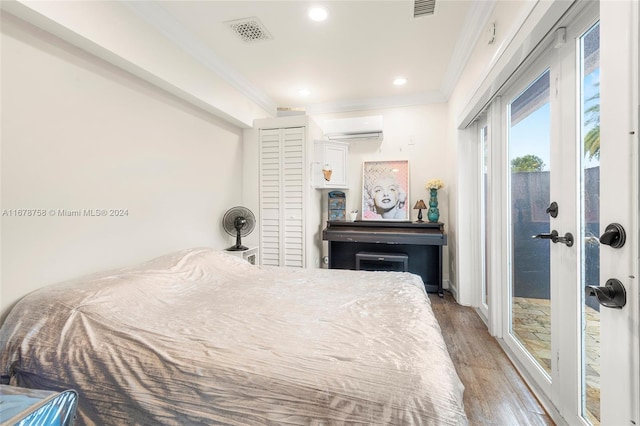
21,406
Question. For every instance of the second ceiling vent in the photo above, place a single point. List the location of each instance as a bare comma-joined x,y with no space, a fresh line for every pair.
249,29
423,7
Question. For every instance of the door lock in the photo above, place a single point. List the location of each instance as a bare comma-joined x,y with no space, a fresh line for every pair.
614,236
612,295
552,210
555,238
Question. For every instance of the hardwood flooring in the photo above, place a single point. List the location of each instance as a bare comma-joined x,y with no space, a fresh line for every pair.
494,394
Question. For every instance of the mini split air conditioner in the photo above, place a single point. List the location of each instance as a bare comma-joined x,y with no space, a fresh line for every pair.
354,128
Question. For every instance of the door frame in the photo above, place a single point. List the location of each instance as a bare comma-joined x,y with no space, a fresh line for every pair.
619,118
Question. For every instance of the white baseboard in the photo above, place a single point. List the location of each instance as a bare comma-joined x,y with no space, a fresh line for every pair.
446,284
548,406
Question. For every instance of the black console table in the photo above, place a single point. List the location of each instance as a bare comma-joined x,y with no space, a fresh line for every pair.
421,242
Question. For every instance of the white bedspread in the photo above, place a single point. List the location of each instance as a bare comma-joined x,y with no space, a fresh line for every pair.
201,337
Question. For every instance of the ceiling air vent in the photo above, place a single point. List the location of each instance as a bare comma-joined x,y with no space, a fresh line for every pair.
249,29
423,7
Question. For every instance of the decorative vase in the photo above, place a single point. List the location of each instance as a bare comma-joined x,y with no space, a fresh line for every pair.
433,214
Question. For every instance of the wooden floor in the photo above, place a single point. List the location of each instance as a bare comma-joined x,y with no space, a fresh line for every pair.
494,394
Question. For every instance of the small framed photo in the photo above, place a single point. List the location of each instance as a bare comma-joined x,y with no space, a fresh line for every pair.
385,190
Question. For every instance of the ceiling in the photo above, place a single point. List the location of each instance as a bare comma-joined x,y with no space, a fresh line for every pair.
347,62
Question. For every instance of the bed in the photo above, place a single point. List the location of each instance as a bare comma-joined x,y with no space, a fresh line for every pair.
202,337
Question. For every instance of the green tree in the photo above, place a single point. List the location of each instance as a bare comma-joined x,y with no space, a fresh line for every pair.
527,163
592,138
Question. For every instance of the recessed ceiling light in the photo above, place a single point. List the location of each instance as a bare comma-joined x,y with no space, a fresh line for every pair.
318,14
399,81
304,92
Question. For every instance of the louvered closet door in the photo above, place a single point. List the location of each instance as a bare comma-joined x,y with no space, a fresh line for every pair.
293,196
270,197
282,196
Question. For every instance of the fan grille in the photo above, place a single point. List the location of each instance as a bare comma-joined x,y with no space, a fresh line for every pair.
229,221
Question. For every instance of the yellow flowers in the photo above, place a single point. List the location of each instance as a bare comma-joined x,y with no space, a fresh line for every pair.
434,184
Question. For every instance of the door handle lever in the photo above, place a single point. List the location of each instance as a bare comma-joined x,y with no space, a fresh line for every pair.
566,240
551,236
555,238
612,295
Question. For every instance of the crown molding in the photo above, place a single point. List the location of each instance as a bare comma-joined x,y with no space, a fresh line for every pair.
365,104
154,14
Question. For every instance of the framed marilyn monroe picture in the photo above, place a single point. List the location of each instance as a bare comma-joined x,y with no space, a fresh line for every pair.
385,190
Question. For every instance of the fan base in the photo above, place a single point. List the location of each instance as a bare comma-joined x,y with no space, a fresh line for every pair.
238,248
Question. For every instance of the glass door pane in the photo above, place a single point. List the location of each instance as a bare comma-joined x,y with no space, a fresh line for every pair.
529,145
590,214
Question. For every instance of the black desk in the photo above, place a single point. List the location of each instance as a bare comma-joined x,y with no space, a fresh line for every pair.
422,242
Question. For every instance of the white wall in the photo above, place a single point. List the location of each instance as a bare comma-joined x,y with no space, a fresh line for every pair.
415,133
78,133
142,38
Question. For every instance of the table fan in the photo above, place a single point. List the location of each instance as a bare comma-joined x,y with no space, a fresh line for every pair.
239,222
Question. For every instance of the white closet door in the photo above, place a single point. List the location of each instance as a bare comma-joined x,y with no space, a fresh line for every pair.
270,197
293,196
282,159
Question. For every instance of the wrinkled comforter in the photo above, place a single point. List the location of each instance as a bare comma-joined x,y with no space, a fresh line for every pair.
201,337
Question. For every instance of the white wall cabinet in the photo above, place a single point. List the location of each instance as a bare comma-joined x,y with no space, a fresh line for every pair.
330,156
290,211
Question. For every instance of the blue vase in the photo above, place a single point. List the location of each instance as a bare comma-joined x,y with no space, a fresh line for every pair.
433,214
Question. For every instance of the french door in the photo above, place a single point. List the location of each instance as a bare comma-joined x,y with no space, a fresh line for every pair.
539,175
555,208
